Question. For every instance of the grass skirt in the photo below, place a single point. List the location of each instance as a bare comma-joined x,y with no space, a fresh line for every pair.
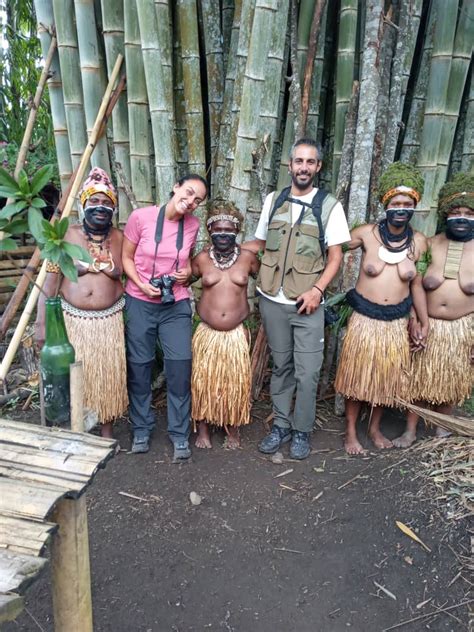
221,377
442,373
374,361
100,344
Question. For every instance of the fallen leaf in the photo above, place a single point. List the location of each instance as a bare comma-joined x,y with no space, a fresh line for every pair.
411,534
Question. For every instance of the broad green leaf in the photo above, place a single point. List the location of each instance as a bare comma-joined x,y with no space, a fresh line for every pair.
67,267
48,229
16,227
8,192
35,222
51,252
20,205
41,179
8,211
23,182
6,180
61,227
38,203
76,252
8,244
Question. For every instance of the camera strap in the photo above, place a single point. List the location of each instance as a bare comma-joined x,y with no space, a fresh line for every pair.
159,235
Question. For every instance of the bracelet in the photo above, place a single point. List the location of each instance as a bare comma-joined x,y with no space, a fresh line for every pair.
319,289
52,267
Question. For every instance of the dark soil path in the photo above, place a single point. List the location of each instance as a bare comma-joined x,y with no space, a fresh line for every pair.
306,551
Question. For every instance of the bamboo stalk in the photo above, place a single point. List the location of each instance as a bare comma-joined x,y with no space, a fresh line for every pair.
71,76
467,161
308,71
92,74
347,34
45,18
113,30
367,115
227,21
316,106
252,90
137,101
436,102
158,101
31,303
180,128
163,35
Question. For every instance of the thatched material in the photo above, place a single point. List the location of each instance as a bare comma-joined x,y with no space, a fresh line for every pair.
220,382
374,362
100,344
442,373
461,426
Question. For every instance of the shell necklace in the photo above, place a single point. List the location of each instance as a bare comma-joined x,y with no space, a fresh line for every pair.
224,260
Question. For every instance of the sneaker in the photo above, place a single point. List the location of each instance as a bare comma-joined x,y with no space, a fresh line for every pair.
182,451
140,445
300,447
272,442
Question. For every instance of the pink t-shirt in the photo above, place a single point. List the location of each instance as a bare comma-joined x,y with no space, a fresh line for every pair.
140,229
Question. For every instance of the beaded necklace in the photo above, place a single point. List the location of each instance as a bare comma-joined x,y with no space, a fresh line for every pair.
100,251
224,260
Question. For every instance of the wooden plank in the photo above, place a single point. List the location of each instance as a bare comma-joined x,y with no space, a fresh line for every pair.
21,250
71,486
28,500
10,607
21,263
18,571
24,536
48,459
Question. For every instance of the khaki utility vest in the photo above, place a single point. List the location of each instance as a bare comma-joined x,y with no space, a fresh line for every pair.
293,259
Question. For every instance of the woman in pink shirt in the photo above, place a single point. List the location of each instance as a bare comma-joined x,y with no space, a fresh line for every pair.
157,245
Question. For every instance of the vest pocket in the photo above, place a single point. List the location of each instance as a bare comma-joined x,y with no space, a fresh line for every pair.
302,275
268,272
274,235
307,243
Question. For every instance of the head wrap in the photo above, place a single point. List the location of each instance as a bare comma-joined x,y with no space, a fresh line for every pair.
223,210
456,193
400,179
223,218
98,181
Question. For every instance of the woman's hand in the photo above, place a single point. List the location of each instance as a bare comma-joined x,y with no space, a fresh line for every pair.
183,275
149,290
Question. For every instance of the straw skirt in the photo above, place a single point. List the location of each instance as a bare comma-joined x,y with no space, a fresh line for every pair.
442,373
374,362
221,376
100,344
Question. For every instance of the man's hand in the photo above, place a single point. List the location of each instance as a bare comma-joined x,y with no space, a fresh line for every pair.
311,301
183,275
150,291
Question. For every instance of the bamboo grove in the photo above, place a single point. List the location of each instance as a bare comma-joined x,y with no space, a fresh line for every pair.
223,88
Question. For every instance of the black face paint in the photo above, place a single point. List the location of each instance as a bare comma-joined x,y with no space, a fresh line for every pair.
460,228
223,242
98,219
399,216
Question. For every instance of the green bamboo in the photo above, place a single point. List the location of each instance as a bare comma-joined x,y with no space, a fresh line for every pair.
227,21
367,114
224,126
467,161
347,33
180,129
412,134
436,103
187,15
93,75
304,25
163,22
159,114
252,90
113,30
137,101
71,76
45,17
315,109
215,68
458,142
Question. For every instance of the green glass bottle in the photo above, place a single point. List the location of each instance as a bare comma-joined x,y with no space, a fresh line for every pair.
55,357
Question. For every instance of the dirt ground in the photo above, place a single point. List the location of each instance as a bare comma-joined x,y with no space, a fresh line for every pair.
298,547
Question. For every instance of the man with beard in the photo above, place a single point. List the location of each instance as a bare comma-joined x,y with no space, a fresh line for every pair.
375,357
221,375
442,373
301,231
93,306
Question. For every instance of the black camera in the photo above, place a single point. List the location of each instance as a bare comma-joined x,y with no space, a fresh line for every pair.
164,283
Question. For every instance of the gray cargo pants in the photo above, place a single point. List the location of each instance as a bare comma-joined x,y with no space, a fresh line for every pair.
297,343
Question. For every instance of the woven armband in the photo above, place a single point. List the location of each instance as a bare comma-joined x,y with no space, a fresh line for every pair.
52,267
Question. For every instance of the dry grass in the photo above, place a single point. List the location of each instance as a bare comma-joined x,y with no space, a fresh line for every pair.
461,426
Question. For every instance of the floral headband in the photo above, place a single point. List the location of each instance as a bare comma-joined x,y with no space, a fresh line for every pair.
401,189
223,218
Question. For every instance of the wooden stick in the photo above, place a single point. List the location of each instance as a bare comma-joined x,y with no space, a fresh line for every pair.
308,71
76,389
427,615
33,298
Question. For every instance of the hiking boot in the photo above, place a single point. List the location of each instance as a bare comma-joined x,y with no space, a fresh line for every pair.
272,442
140,445
182,451
300,447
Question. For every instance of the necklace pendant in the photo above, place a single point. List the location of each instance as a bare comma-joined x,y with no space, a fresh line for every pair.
392,257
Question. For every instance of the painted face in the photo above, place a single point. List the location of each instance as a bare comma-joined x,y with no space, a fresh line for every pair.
223,235
303,167
400,210
460,224
98,212
188,196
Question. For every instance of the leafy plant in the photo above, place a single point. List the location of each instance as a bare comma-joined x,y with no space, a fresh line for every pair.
338,304
23,214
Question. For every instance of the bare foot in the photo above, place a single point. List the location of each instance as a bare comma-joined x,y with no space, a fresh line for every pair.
442,433
405,440
379,441
232,441
203,439
352,446
106,431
